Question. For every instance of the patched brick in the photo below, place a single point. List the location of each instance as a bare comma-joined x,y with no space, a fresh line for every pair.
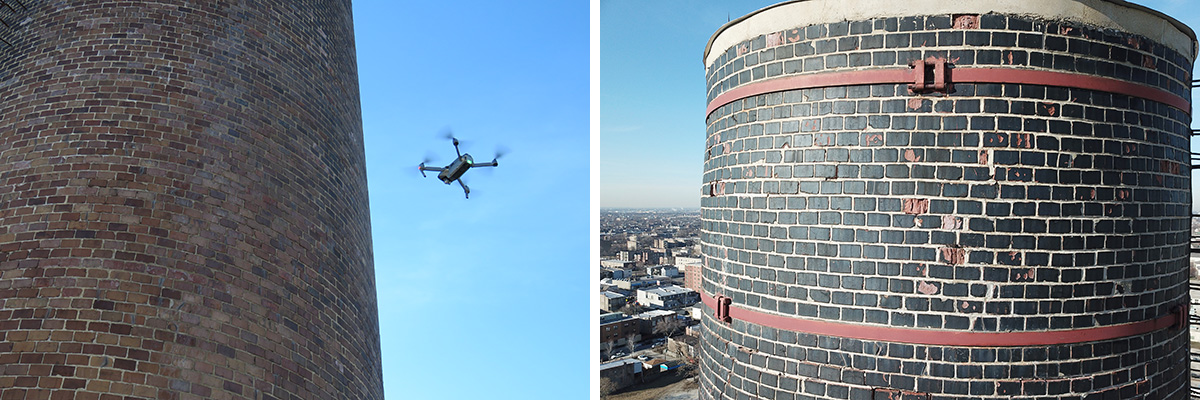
1025,196
916,206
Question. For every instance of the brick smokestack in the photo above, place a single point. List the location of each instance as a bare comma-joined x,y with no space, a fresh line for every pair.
183,203
968,199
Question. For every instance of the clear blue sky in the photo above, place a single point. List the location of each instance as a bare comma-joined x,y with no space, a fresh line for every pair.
489,297
484,298
652,94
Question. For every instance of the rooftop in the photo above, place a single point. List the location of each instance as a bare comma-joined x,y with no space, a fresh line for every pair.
611,295
654,313
668,290
618,363
612,317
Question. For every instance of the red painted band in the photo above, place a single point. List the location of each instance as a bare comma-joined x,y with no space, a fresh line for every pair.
809,81
1062,79
944,337
957,75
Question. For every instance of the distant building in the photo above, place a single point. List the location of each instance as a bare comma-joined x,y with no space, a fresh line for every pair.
612,301
618,327
633,284
616,264
606,273
667,243
621,373
669,271
694,312
651,319
683,346
616,269
667,297
653,257
691,271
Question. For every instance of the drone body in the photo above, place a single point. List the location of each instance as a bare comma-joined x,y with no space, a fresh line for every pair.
454,172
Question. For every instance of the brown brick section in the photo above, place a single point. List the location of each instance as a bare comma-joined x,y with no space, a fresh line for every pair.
183,203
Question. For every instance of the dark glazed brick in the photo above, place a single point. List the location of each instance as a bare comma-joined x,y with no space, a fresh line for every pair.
950,39
987,57
992,21
1004,39
1038,199
882,58
897,40
977,38
1030,40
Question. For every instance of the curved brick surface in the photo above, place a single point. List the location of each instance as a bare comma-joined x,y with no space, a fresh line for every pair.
996,208
183,206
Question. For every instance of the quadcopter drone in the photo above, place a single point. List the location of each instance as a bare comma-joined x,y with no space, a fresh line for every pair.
456,169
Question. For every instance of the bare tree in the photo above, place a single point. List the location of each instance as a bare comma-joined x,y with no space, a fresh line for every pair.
607,387
632,309
669,327
631,341
607,348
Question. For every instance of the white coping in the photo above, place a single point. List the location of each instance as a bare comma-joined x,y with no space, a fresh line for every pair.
1116,14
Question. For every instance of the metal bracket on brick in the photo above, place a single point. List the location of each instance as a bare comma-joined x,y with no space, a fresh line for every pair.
1180,312
722,311
929,76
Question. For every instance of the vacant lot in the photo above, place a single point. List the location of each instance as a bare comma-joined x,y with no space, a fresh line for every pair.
667,387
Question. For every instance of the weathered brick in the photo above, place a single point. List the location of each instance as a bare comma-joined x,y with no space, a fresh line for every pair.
966,196
174,210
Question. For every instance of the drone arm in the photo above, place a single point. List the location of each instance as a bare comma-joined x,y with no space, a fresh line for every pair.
466,190
493,163
423,168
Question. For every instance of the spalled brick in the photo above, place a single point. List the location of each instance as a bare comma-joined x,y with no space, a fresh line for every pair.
998,207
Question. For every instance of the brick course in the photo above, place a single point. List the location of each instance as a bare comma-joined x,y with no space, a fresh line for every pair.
183,206
994,208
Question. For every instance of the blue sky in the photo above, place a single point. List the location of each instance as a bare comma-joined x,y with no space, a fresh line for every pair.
652,94
487,297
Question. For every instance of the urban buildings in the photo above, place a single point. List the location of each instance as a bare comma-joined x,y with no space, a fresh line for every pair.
650,293
667,297
612,301
617,329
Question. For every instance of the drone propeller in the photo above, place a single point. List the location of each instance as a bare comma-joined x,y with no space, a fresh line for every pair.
447,134
421,167
501,151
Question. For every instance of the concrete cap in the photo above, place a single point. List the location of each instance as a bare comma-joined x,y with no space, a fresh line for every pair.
1116,14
